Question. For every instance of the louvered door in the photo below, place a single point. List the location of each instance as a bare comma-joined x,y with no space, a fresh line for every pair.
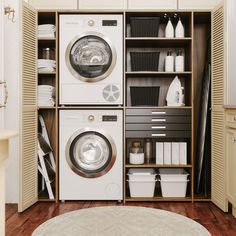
28,120
218,98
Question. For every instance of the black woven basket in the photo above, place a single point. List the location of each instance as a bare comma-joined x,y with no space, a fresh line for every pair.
144,61
144,26
143,95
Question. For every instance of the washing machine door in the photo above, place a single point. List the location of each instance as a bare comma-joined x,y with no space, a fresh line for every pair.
90,153
90,57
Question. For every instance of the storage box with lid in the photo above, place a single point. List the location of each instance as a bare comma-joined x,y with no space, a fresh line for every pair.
173,182
142,182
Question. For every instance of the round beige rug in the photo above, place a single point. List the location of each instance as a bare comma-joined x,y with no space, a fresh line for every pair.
120,221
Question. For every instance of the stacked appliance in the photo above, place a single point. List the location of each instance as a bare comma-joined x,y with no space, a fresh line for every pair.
91,69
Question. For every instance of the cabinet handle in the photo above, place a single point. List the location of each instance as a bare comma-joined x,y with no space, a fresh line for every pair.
158,112
158,135
5,94
158,120
158,127
234,118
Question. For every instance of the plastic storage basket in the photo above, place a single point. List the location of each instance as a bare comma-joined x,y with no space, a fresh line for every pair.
173,182
144,26
144,61
148,96
143,174
173,174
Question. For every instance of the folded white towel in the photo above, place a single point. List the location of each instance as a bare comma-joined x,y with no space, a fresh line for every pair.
49,35
46,70
46,26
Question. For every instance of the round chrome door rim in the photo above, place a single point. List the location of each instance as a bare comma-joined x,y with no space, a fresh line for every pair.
93,166
75,73
95,174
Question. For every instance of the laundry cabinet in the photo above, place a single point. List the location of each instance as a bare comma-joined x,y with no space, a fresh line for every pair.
156,121
230,119
198,4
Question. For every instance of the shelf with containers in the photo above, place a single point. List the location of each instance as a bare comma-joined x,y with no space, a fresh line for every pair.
47,97
147,116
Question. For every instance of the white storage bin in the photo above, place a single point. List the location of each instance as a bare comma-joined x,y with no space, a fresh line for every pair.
174,188
142,174
136,158
174,174
142,188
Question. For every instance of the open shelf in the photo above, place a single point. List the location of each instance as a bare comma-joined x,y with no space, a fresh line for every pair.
160,42
170,199
156,166
156,73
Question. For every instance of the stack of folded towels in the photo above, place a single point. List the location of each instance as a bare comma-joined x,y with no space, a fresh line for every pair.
45,65
46,31
46,95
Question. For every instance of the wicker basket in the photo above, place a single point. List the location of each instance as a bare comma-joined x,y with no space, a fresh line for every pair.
143,95
144,26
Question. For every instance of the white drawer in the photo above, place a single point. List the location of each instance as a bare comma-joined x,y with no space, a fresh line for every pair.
52,4
198,4
152,4
231,119
102,4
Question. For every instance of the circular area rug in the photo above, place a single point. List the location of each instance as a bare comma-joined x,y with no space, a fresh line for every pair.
120,221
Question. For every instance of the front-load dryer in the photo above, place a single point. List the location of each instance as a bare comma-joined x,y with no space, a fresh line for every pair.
91,59
90,156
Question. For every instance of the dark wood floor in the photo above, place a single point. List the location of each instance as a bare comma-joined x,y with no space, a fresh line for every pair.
207,214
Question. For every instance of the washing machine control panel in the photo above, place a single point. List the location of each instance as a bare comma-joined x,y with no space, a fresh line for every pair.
109,118
109,23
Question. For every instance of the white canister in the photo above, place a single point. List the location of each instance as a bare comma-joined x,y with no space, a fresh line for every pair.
179,62
169,62
136,158
169,30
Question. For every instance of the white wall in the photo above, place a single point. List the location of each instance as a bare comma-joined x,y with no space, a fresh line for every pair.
11,120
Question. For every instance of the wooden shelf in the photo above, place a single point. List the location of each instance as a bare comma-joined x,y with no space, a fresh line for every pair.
157,73
172,199
46,107
156,166
157,42
47,73
46,39
159,107
177,40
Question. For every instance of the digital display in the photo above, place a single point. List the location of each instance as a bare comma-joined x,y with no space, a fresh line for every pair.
109,118
109,23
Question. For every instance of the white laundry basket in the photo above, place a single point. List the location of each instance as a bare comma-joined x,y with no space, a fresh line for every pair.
142,182
173,182
173,188
142,188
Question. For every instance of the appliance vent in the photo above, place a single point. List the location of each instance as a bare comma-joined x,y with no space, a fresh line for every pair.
111,93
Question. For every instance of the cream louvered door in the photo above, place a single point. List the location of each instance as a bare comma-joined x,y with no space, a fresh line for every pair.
218,115
28,122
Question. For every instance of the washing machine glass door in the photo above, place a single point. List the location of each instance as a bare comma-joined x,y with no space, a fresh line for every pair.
90,153
91,57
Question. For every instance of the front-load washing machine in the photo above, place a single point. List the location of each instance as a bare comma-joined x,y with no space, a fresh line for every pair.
90,157
91,59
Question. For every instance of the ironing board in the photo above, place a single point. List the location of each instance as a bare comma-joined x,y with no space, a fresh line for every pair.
42,167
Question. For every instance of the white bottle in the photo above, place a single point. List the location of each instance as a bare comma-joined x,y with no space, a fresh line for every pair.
169,62
179,62
179,30
181,96
169,30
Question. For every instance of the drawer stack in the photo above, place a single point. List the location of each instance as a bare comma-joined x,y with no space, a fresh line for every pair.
158,123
